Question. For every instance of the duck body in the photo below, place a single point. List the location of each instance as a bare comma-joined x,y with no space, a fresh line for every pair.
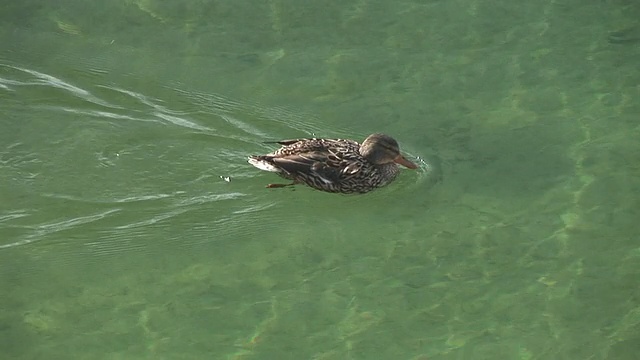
335,165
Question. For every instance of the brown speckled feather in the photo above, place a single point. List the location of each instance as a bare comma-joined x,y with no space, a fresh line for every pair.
332,165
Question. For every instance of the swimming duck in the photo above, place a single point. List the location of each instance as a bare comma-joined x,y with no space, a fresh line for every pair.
335,165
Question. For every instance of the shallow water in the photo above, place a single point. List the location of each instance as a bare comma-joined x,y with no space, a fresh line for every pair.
132,227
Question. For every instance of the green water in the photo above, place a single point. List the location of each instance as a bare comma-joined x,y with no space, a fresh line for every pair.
131,226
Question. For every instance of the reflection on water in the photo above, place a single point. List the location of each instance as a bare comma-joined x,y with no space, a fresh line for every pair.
131,225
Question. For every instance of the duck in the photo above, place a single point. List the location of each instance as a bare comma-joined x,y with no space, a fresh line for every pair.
335,165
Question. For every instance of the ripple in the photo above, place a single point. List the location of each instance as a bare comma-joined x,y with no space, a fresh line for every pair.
153,220
290,119
130,199
429,169
12,215
38,232
41,79
155,183
175,120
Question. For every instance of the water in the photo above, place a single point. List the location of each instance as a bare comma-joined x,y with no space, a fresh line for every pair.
132,227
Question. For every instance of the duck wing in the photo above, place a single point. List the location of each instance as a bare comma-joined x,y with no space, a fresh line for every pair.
317,163
318,160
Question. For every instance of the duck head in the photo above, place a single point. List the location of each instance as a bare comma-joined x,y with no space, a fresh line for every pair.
381,149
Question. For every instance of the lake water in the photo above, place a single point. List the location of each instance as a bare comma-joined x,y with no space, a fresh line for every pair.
132,227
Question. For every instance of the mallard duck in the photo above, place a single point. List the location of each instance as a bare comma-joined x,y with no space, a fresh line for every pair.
335,165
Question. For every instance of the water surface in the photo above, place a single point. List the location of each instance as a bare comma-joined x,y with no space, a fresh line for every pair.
132,227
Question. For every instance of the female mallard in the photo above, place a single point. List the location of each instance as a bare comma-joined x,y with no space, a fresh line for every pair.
335,165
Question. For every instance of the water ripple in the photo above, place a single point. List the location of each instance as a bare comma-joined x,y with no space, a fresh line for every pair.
40,231
150,174
130,199
48,80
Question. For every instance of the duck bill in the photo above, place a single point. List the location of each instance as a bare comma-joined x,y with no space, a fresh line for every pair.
404,162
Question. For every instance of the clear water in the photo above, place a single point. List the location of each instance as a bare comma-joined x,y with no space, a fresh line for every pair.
131,226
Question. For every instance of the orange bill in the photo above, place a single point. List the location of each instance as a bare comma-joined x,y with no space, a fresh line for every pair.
403,161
